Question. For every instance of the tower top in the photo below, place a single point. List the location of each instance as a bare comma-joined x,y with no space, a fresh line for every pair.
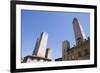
75,19
65,44
44,33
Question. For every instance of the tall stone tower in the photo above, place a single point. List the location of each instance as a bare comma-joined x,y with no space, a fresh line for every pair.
65,47
78,31
40,47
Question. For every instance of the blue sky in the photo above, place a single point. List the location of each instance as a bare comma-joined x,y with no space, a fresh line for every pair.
58,25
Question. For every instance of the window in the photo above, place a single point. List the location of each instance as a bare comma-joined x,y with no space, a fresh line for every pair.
72,57
79,54
86,51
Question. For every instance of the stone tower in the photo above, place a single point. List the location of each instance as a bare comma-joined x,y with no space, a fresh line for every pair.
78,31
40,47
48,53
65,47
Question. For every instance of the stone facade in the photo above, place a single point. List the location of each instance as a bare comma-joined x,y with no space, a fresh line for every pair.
79,52
33,59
